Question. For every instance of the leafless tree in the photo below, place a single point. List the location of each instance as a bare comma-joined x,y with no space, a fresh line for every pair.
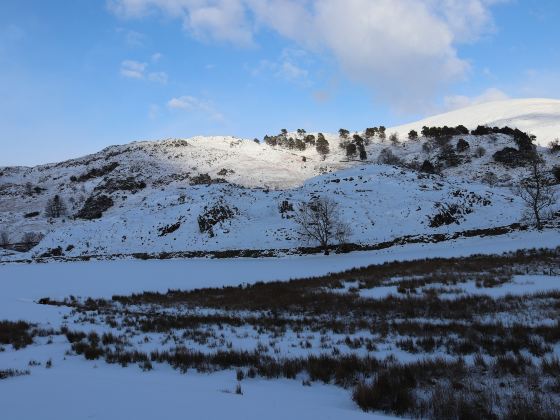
536,190
4,239
30,239
319,221
55,207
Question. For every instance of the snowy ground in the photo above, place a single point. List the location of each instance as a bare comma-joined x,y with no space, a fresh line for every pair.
74,388
22,284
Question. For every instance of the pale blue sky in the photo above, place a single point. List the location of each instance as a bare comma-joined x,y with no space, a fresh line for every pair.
79,75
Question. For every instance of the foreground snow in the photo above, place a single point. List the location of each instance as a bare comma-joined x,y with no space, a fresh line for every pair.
74,389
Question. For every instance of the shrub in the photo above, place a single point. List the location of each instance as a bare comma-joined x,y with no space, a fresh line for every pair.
125,184
387,157
556,173
95,206
446,215
218,213
510,156
449,156
390,391
428,167
15,333
95,172
413,135
479,152
10,373
462,145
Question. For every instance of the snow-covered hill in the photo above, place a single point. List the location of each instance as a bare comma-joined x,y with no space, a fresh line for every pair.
540,117
151,196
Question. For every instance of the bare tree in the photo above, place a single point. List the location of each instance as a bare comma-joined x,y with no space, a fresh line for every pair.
30,239
536,190
4,239
55,207
319,221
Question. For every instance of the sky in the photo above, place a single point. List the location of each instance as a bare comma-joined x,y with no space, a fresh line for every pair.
80,75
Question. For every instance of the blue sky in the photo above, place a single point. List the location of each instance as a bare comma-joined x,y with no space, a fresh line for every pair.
78,75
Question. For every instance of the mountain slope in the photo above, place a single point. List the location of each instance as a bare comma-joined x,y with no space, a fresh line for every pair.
540,117
155,192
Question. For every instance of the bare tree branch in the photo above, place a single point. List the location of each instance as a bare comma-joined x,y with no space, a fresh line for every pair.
319,221
536,190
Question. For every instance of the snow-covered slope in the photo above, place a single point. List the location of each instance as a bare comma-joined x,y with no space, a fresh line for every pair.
159,189
540,117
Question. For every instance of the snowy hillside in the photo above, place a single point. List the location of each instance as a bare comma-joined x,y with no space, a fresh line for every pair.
540,117
225,193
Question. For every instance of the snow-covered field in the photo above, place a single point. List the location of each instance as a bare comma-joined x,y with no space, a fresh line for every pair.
22,284
74,388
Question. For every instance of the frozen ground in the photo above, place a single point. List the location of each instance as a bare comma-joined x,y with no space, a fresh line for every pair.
77,389
74,389
21,284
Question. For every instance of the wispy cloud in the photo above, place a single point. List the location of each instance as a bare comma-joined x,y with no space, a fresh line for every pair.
135,39
192,104
289,67
158,77
459,101
138,70
133,69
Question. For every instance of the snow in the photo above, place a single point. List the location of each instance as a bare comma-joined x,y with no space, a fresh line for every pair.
379,202
22,284
519,285
540,117
77,389
74,389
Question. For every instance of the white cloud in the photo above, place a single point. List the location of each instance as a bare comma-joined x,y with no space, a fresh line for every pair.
288,67
137,70
133,69
192,104
158,77
404,50
135,39
156,57
219,20
489,95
